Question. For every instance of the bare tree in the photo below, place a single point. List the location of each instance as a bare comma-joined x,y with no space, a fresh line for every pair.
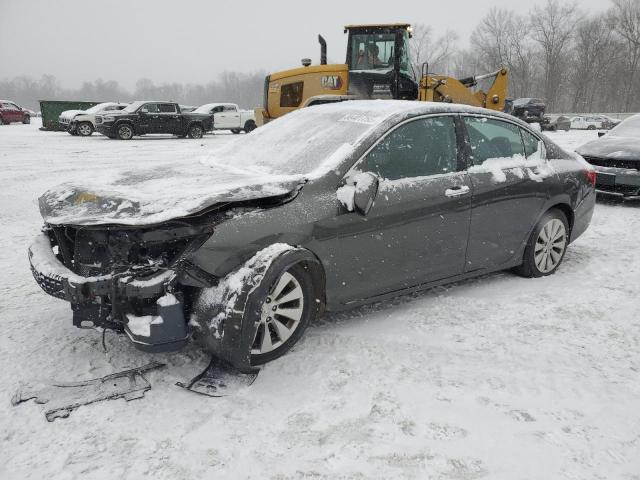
626,14
437,51
553,27
500,41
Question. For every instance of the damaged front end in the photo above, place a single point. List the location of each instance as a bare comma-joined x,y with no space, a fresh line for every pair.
134,280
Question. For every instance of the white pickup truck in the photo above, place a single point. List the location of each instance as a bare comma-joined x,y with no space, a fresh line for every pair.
227,116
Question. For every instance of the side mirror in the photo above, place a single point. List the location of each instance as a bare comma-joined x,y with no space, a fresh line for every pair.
601,134
359,192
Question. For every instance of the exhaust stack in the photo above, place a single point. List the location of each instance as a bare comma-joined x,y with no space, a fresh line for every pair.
323,50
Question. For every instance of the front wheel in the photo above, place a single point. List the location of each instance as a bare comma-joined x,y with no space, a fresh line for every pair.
196,131
591,127
124,132
287,307
84,129
547,246
26,120
235,131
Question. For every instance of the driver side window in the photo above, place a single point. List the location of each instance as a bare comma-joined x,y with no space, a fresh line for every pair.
151,107
423,147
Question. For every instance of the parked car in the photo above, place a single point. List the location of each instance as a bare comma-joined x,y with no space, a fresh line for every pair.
530,110
616,158
555,123
591,122
10,112
326,208
227,116
83,122
144,117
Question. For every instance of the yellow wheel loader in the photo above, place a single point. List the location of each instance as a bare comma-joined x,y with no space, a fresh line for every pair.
377,66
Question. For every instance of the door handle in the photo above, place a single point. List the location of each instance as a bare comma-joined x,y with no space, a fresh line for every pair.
457,191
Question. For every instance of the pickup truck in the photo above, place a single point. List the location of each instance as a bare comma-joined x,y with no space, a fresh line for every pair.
227,116
83,122
144,117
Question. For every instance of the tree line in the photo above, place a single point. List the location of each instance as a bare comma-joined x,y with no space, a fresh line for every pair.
245,89
575,60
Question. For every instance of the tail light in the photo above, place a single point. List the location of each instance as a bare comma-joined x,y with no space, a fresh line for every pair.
591,176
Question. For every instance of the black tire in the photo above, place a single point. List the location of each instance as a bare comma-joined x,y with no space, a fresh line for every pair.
591,127
2,122
26,120
196,131
235,131
124,131
249,126
84,129
529,267
260,295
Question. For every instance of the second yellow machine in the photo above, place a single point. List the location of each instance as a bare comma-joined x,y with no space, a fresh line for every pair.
377,66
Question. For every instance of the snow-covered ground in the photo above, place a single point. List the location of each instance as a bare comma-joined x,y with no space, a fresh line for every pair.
499,377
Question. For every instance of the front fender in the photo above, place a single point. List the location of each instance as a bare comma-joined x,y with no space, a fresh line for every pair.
224,316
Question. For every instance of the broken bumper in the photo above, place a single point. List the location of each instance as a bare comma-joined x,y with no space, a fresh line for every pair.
103,300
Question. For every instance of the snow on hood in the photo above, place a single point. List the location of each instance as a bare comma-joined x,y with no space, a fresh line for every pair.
613,147
71,113
147,197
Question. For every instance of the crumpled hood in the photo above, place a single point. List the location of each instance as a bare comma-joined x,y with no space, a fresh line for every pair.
618,148
71,113
152,196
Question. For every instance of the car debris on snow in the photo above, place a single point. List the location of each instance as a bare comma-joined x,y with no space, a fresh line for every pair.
62,398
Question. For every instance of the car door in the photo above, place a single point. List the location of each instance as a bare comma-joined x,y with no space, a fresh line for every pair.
218,117
172,120
15,113
148,121
508,195
417,229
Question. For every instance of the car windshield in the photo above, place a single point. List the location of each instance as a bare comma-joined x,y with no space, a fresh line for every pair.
315,139
133,107
629,128
97,108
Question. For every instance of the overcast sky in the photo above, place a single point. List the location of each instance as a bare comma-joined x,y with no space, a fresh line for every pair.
194,40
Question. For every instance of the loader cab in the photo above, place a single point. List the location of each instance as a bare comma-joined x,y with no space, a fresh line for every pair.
378,60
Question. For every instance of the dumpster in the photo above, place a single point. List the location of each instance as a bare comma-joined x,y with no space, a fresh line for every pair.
51,110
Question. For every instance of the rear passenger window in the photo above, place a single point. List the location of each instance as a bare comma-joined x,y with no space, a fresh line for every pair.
167,108
419,148
492,138
531,143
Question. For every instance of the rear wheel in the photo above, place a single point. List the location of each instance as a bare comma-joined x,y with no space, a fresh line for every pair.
287,308
235,131
547,245
124,131
26,120
249,126
84,129
591,127
2,122
196,131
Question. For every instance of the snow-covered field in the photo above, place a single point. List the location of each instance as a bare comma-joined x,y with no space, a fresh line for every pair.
499,377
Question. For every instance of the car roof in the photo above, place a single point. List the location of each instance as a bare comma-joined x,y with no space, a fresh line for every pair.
411,108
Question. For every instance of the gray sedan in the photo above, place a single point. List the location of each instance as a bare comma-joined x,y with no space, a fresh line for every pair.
324,209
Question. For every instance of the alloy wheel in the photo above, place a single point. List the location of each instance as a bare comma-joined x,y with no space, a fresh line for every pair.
550,245
280,315
125,132
84,129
